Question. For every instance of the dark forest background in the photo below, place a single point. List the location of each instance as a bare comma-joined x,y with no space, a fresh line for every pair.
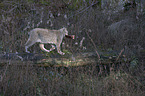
112,25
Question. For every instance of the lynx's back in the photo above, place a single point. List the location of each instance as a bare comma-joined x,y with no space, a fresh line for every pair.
45,35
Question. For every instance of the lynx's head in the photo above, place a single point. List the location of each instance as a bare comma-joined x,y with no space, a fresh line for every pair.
64,31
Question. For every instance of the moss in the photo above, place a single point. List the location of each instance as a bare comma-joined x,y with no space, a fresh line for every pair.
75,4
142,51
2,5
44,2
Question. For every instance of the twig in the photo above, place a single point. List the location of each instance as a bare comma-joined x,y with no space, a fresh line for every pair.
119,54
94,46
2,76
100,72
82,10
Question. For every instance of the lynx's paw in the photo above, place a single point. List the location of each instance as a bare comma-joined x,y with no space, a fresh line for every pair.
61,53
26,49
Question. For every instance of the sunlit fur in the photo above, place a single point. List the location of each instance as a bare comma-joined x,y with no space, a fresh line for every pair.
46,36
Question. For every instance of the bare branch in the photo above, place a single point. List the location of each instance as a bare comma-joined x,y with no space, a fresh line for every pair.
84,9
94,46
119,54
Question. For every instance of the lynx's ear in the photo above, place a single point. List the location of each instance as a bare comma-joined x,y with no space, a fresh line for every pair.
63,29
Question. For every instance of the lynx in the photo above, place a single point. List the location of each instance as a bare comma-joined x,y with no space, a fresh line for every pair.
54,37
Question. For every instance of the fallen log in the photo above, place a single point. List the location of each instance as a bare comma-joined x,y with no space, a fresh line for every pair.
67,60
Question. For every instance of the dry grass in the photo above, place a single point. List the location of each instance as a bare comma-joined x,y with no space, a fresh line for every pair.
35,81
18,18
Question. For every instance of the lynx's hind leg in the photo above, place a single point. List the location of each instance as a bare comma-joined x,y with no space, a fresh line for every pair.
28,44
53,47
31,40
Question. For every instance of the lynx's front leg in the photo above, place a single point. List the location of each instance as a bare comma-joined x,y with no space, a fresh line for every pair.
58,49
